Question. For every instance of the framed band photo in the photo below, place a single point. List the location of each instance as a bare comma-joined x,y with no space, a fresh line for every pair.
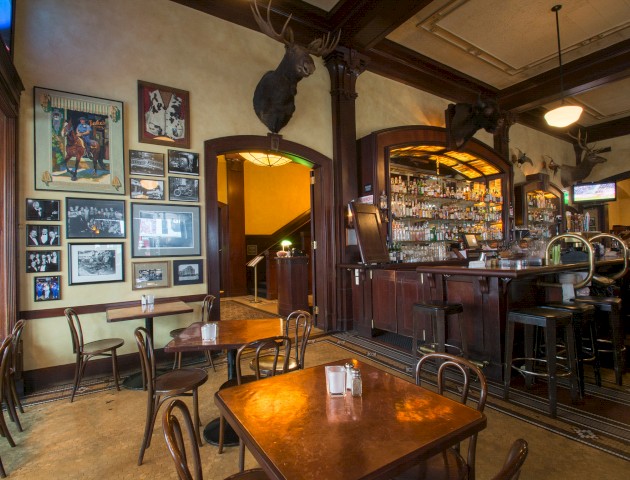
92,218
165,230
146,163
46,289
145,189
78,143
183,163
163,115
42,210
95,263
42,235
187,272
150,275
43,261
182,189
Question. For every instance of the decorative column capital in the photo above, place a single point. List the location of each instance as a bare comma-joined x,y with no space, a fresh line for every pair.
344,66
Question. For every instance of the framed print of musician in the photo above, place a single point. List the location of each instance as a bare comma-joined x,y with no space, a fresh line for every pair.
163,115
42,210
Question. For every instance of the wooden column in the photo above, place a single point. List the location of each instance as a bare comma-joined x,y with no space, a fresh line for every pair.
236,283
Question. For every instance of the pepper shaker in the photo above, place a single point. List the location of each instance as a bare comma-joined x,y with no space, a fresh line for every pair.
349,369
357,383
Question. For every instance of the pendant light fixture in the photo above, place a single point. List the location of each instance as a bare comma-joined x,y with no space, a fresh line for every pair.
264,159
564,115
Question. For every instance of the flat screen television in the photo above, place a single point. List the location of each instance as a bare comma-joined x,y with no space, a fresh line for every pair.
594,192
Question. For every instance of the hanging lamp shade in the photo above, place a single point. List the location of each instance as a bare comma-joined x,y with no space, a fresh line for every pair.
263,159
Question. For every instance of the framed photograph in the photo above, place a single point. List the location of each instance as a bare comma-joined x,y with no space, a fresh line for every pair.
183,163
163,115
46,288
42,235
146,163
183,189
143,189
42,210
78,143
43,261
150,275
165,230
187,272
96,263
92,218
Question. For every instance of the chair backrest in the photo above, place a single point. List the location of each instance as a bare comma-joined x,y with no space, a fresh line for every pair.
298,326
206,307
5,363
511,469
276,347
147,358
75,330
176,443
18,328
466,369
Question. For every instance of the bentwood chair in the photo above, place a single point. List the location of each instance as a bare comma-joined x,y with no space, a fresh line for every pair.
450,464
279,349
206,307
5,361
175,383
177,444
298,326
10,391
105,347
511,469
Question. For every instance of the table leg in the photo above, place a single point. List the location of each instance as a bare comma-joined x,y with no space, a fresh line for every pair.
211,431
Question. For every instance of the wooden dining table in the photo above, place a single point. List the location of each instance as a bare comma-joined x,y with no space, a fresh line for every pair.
231,335
294,429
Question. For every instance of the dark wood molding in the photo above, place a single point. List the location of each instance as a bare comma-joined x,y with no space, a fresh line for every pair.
608,130
236,283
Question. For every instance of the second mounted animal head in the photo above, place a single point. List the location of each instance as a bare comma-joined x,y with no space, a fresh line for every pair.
464,119
275,93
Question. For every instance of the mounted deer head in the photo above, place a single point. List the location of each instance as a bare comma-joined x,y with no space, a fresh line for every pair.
588,157
275,93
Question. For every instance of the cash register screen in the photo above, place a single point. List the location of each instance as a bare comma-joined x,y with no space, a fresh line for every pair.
471,241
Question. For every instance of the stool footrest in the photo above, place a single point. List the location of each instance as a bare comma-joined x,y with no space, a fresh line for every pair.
561,369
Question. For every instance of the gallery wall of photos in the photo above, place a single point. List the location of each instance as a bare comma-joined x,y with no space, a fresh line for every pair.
88,234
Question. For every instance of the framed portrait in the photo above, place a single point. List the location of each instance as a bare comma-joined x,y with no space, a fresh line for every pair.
183,163
146,163
42,210
183,189
92,218
165,230
163,115
95,263
46,288
78,143
187,272
145,189
150,275
43,261
42,235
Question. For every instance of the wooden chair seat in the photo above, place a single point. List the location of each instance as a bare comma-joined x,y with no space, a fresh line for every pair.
101,346
266,364
179,381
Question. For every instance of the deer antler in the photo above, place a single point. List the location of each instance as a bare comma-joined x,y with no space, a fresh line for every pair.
286,34
581,143
324,45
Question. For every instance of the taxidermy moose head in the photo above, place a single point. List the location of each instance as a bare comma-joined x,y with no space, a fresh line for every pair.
463,120
275,93
590,156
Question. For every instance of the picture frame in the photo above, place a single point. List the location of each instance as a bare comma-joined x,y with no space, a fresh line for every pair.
43,261
42,210
146,189
96,263
46,288
42,236
159,230
187,272
95,218
183,163
163,115
150,275
181,189
60,135
146,163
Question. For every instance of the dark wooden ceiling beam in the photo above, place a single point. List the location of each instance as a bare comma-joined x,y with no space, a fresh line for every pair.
607,130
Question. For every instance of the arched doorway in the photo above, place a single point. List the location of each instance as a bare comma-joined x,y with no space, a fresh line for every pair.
321,215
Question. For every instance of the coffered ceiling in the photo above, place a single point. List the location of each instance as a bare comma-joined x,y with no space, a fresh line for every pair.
459,49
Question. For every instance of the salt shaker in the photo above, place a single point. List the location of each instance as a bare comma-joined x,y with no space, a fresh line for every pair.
357,383
349,369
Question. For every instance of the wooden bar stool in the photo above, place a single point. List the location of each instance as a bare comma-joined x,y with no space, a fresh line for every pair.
583,317
550,320
611,307
438,310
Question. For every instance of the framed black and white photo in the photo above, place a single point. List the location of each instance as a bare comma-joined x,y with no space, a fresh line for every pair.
165,230
146,163
91,218
187,272
43,261
183,163
95,263
46,288
42,235
145,189
150,275
183,189
42,210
